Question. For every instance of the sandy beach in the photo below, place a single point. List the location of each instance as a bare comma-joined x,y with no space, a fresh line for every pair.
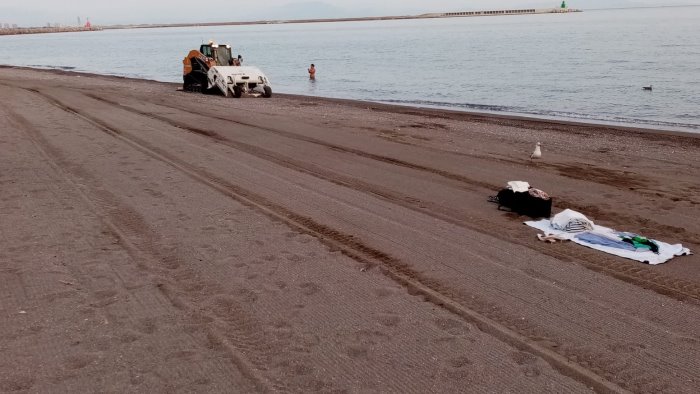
161,241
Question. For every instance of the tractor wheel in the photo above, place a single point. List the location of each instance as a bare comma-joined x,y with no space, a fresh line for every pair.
268,91
237,92
189,84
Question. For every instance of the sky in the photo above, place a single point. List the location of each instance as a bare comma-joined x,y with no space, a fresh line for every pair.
110,12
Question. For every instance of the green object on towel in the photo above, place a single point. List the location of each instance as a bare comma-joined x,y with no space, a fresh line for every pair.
640,242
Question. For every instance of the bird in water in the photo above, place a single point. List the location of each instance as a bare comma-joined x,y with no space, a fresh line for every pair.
646,87
537,153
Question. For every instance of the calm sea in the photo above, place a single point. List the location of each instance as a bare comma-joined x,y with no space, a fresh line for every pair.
587,66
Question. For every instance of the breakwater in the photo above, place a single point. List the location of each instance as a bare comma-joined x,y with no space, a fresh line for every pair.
41,30
357,19
505,12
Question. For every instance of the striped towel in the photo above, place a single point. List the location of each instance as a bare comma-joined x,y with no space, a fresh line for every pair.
571,221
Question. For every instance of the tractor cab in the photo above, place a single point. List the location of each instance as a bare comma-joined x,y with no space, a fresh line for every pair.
220,53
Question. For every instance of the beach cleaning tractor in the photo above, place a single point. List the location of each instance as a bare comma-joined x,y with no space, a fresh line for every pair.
213,69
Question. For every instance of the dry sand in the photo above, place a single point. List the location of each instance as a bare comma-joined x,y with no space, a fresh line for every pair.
161,241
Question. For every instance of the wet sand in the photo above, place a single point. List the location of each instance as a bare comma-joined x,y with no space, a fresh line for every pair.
161,241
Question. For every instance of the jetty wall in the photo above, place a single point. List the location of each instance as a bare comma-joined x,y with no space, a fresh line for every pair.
40,30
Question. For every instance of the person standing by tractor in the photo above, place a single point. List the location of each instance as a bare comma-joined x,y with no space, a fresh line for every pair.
235,61
312,72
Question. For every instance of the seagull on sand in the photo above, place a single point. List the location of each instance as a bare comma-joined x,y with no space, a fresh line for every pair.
537,153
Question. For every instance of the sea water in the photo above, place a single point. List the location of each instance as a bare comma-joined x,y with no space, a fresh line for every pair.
588,66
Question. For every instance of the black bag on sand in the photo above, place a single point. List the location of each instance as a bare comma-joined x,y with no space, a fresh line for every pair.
534,202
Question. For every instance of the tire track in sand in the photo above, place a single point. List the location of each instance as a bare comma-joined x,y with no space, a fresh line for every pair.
633,273
394,268
575,354
124,232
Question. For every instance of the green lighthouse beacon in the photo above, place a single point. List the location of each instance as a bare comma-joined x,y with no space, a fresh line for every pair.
563,4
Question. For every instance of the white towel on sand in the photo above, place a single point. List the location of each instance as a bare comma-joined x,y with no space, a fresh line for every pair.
666,251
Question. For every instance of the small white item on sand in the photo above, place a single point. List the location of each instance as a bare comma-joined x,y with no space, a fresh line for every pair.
22,312
551,238
537,153
519,186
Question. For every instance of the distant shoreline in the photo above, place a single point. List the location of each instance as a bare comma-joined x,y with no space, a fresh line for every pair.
438,15
43,30
465,14
262,22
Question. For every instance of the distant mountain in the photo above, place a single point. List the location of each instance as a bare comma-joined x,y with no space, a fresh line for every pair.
306,10
401,9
